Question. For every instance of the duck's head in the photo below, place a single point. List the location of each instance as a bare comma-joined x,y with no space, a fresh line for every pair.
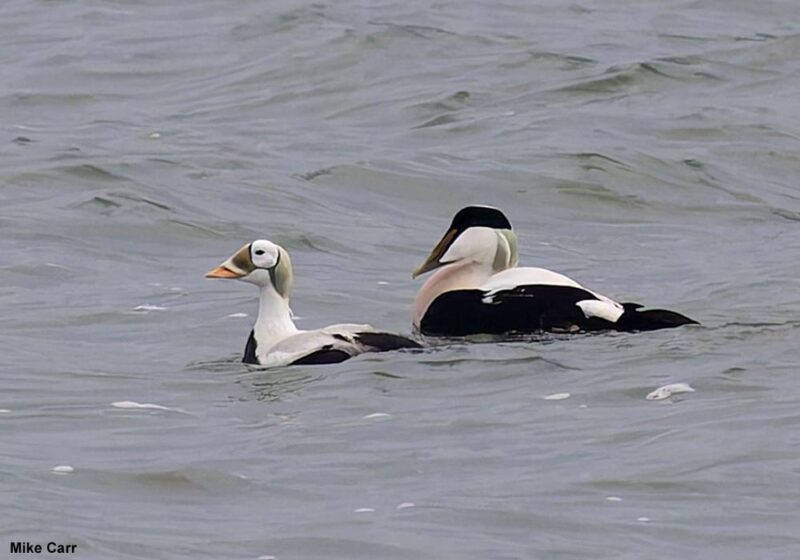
262,263
481,234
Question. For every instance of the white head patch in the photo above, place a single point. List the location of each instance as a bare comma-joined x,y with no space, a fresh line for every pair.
264,254
477,244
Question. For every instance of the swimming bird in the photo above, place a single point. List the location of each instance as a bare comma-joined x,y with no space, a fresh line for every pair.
275,340
478,289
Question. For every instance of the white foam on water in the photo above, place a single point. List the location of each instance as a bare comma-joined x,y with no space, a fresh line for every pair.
237,315
668,390
557,397
146,406
62,469
266,557
363,510
155,135
405,505
148,307
382,283
4,411
376,415
613,498
643,519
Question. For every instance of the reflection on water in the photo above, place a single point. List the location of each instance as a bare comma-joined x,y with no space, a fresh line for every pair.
272,385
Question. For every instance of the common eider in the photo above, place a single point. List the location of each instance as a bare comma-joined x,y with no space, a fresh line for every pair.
477,288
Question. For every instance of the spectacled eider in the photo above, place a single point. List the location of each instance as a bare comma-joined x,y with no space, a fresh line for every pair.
478,289
274,340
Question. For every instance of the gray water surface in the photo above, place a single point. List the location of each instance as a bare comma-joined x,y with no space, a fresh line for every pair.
650,150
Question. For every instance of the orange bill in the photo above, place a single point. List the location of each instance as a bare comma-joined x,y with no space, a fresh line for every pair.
222,272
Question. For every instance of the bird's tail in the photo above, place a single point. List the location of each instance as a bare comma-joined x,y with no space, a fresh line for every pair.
636,319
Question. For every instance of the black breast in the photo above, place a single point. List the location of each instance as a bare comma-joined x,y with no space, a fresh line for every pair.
250,350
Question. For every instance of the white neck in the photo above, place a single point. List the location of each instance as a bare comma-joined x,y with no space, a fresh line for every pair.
461,275
274,321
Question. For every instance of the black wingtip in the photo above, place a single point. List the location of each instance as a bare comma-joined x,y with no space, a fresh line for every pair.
479,216
636,319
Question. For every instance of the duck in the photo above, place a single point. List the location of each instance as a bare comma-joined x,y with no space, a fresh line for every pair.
477,288
275,340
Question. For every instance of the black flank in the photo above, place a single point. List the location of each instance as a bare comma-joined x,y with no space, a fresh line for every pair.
525,309
325,355
533,308
384,342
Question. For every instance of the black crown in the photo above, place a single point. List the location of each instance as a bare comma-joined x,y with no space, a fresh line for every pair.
479,216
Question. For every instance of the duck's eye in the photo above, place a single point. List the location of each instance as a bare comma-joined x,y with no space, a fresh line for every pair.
260,252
